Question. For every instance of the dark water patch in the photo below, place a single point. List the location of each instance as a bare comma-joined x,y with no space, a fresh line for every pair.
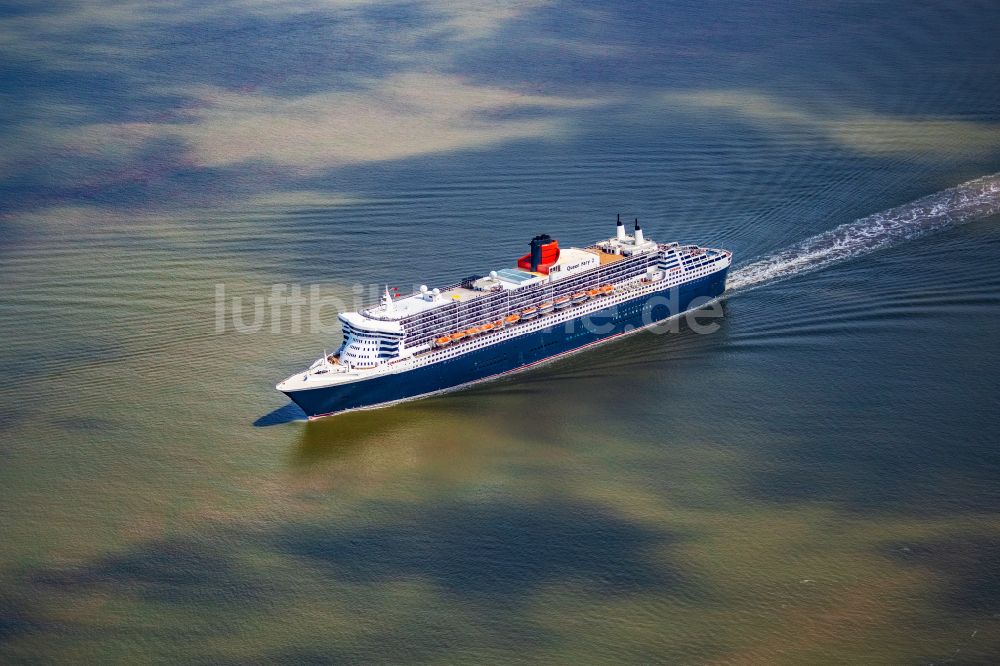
503,552
287,54
490,558
172,571
232,48
91,424
872,434
775,46
968,565
23,8
11,419
16,620
318,656
422,640
36,363
796,316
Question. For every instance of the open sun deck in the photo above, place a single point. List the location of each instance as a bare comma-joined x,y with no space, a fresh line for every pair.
605,257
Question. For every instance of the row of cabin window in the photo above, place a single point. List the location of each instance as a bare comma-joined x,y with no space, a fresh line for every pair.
465,348
476,317
424,327
475,346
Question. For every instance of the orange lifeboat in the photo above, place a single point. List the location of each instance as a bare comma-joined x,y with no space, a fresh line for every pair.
498,323
486,328
512,319
457,336
607,289
475,330
443,340
529,313
579,297
561,302
593,292
546,307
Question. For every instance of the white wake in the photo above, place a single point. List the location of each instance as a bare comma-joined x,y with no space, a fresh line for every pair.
947,208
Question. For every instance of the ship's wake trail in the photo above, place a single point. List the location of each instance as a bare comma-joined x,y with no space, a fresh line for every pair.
957,205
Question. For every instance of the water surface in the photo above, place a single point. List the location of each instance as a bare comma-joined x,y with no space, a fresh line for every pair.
815,482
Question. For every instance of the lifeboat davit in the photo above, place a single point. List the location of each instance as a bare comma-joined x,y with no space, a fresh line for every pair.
546,307
443,340
561,302
530,313
512,319
580,297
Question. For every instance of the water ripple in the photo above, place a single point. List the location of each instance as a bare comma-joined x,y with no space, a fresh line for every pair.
948,208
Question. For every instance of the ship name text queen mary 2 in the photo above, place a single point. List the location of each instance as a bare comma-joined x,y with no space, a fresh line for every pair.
556,301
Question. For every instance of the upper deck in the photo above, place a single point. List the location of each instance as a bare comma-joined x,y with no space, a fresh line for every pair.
539,277
572,262
417,302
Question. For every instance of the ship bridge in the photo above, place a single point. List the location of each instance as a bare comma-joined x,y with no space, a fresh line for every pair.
368,342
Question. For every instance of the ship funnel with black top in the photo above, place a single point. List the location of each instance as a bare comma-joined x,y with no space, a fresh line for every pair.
544,253
620,229
536,250
639,239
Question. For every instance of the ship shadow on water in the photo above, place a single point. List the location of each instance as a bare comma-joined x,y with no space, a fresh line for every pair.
285,414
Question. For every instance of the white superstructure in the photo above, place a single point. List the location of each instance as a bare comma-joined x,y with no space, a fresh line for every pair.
548,287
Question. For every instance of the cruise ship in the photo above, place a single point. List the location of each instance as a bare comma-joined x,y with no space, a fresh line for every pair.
551,302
